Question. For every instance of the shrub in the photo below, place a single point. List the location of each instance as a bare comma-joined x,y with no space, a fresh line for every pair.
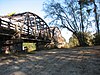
96,39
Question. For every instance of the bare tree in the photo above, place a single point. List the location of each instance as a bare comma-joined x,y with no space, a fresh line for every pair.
68,14
96,16
87,3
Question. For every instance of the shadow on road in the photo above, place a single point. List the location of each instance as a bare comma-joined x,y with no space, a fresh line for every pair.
76,61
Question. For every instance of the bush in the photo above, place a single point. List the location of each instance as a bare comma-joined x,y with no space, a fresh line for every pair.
96,39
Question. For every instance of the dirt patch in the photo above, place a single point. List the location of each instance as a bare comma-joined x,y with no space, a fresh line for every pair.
76,61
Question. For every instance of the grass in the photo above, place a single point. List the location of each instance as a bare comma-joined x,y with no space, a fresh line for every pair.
31,46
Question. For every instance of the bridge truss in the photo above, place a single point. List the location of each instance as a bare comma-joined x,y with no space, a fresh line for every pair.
28,25
18,28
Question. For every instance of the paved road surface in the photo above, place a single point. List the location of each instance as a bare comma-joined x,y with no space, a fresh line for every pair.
76,61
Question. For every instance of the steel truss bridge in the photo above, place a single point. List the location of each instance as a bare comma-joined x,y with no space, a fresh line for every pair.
23,27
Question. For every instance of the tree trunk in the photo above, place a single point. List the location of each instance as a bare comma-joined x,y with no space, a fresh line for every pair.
80,36
81,24
96,17
81,39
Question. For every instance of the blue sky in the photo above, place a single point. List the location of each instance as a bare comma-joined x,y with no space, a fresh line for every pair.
19,6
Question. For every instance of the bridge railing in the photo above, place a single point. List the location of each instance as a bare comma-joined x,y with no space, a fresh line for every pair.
7,24
37,33
15,27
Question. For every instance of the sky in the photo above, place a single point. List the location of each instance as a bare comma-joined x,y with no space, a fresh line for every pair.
20,6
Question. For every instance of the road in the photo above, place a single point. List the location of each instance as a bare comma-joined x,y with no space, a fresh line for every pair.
73,61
